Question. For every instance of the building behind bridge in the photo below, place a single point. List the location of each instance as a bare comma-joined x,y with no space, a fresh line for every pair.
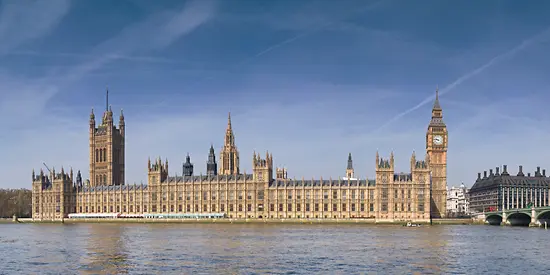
458,202
497,191
226,189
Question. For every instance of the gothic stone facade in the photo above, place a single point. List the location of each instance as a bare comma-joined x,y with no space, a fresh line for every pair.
390,196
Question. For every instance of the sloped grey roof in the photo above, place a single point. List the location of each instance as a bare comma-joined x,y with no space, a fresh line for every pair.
129,187
198,178
281,183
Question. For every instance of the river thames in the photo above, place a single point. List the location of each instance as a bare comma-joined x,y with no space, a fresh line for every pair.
271,249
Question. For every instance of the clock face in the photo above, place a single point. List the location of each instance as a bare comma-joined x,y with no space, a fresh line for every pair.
438,140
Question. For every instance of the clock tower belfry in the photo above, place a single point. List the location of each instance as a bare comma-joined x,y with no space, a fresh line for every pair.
436,148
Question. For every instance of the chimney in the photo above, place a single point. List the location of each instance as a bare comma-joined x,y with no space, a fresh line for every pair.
544,172
484,174
490,172
537,174
528,174
505,169
478,176
498,168
520,173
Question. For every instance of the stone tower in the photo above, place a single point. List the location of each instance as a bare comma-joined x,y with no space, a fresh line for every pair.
211,165
54,196
229,156
107,149
187,167
281,173
157,171
349,169
262,168
384,184
436,148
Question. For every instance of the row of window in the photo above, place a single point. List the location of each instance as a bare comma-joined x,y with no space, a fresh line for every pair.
401,193
101,179
316,208
231,195
101,155
401,207
240,207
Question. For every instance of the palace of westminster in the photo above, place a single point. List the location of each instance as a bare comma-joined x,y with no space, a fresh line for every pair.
414,196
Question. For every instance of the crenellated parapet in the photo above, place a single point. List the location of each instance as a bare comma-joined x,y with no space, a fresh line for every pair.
384,164
281,173
42,180
262,168
158,171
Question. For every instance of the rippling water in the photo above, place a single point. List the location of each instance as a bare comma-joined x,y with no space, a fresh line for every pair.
271,249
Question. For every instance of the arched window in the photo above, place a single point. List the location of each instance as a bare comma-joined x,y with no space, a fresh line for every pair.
96,155
104,154
104,179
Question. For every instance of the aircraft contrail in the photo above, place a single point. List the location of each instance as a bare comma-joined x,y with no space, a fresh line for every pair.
469,75
321,27
296,37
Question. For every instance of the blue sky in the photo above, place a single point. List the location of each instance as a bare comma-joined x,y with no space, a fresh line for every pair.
310,81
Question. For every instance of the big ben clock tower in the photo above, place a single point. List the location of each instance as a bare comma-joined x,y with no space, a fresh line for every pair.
436,147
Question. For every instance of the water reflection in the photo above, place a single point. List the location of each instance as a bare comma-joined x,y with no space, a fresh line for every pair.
105,249
270,249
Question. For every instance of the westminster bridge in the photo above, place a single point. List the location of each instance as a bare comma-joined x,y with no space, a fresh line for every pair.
533,216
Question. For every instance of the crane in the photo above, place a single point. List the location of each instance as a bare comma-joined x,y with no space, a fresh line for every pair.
46,167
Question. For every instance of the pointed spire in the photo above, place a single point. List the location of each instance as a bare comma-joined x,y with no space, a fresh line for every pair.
437,106
350,162
229,121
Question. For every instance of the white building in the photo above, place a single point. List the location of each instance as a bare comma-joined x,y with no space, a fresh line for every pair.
457,201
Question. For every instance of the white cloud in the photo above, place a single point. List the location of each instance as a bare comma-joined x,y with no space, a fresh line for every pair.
23,21
158,31
35,133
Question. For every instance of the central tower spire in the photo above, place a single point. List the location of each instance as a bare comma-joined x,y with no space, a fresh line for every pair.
229,156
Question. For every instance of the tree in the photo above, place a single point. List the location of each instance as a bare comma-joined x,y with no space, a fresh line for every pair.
15,202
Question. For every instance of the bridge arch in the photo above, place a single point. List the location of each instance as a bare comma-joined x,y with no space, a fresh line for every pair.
494,219
519,219
544,216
